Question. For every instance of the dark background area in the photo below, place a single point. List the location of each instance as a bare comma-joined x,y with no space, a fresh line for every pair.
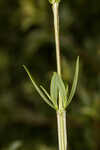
27,37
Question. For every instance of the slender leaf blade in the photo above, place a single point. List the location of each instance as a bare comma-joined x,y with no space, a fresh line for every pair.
37,88
61,88
46,93
66,101
53,88
74,85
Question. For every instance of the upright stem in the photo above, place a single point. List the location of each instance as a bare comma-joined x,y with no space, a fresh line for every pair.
55,8
61,113
62,135
56,27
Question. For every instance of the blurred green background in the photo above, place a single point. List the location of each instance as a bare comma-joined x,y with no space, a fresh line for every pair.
26,37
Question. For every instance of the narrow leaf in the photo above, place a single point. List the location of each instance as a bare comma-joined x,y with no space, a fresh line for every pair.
66,100
74,82
67,90
46,93
53,89
37,88
61,88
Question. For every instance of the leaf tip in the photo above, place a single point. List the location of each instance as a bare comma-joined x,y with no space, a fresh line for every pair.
78,58
24,66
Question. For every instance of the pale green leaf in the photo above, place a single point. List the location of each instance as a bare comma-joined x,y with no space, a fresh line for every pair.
57,87
37,88
65,102
67,90
53,88
46,93
61,88
74,85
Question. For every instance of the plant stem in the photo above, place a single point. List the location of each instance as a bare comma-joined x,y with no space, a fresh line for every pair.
55,8
56,28
61,113
62,136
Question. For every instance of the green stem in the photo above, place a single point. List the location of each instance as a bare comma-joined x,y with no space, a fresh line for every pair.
62,136
55,7
61,113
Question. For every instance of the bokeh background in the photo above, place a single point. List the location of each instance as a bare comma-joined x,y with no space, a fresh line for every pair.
27,37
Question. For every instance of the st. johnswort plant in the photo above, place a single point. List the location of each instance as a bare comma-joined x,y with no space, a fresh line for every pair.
60,96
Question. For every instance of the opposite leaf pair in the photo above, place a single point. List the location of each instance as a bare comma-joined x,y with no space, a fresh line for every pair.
57,88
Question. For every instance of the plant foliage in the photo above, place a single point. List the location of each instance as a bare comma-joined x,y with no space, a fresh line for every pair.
57,87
